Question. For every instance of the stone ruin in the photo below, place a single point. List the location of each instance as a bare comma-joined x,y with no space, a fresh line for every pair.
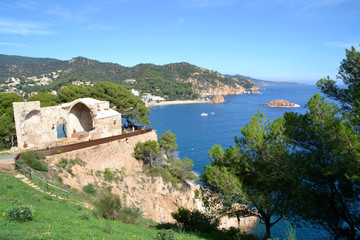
83,119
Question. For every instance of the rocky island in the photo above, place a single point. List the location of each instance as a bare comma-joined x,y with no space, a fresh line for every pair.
281,103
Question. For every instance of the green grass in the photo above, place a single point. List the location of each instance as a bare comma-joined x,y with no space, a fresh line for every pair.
59,219
4,153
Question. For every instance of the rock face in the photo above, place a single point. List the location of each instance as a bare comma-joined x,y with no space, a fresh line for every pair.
158,199
218,99
280,103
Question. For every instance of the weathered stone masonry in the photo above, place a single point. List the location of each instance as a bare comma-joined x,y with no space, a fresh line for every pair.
38,127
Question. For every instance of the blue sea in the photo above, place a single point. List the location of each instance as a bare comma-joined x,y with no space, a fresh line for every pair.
196,134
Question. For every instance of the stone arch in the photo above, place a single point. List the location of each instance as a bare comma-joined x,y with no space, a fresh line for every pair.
80,118
61,128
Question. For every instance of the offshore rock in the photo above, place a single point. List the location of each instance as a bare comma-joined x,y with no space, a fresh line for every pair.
218,99
280,103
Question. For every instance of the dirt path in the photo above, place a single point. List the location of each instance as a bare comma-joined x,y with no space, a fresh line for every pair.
31,184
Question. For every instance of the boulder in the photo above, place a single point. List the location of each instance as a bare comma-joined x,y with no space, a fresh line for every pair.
218,99
280,103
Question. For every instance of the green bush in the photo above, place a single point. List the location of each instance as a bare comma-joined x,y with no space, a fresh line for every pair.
108,176
89,189
63,162
34,160
165,235
109,205
20,213
40,166
130,215
195,220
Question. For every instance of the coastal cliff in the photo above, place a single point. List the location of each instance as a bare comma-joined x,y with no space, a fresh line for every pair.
220,86
157,198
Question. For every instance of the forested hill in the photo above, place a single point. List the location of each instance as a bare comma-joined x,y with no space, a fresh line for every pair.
173,81
260,82
12,59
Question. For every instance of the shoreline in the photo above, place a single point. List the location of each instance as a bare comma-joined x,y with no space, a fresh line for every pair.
152,104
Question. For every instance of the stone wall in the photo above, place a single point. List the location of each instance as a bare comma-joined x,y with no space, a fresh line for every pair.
36,127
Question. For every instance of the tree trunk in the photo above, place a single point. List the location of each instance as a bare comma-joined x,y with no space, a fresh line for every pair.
267,226
238,220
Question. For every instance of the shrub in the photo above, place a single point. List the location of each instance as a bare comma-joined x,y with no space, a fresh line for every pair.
165,235
195,220
109,205
84,216
21,213
150,153
40,166
108,176
47,197
89,189
130,215
63,162
34,160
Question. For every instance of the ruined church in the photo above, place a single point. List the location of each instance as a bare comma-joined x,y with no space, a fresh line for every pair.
85,118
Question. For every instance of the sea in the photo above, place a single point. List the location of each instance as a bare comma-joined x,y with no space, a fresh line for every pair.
196,134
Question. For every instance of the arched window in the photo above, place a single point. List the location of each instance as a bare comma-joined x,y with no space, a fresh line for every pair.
80,118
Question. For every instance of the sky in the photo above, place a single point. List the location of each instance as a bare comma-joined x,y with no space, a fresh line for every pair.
280,40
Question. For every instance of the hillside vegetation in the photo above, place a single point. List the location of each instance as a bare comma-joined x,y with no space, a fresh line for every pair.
173,81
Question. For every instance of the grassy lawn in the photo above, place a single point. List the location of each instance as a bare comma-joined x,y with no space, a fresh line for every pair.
64,219
60,219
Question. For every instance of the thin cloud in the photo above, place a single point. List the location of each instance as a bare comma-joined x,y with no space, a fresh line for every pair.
13,44
179,22
71,16
175,26
9,26
103,27
342,44
28,4
209,3
310,3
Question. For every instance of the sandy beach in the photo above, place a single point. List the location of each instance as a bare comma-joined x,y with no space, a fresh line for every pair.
152,104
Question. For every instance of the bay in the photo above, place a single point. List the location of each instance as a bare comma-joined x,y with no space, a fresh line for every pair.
196,134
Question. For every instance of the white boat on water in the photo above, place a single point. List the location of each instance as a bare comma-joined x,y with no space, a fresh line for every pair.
212,113
204,114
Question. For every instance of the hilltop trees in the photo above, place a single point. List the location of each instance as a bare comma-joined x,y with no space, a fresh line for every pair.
159,157
46,99
131,106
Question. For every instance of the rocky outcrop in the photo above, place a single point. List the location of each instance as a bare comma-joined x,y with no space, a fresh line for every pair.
204,87
218,99
280,103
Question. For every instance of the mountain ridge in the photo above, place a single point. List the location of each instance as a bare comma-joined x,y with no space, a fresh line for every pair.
174,81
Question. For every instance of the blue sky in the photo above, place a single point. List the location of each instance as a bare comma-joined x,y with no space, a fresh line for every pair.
284,40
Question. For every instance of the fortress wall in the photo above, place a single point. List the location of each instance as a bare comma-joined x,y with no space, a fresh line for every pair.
105,127
36,126
116,154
